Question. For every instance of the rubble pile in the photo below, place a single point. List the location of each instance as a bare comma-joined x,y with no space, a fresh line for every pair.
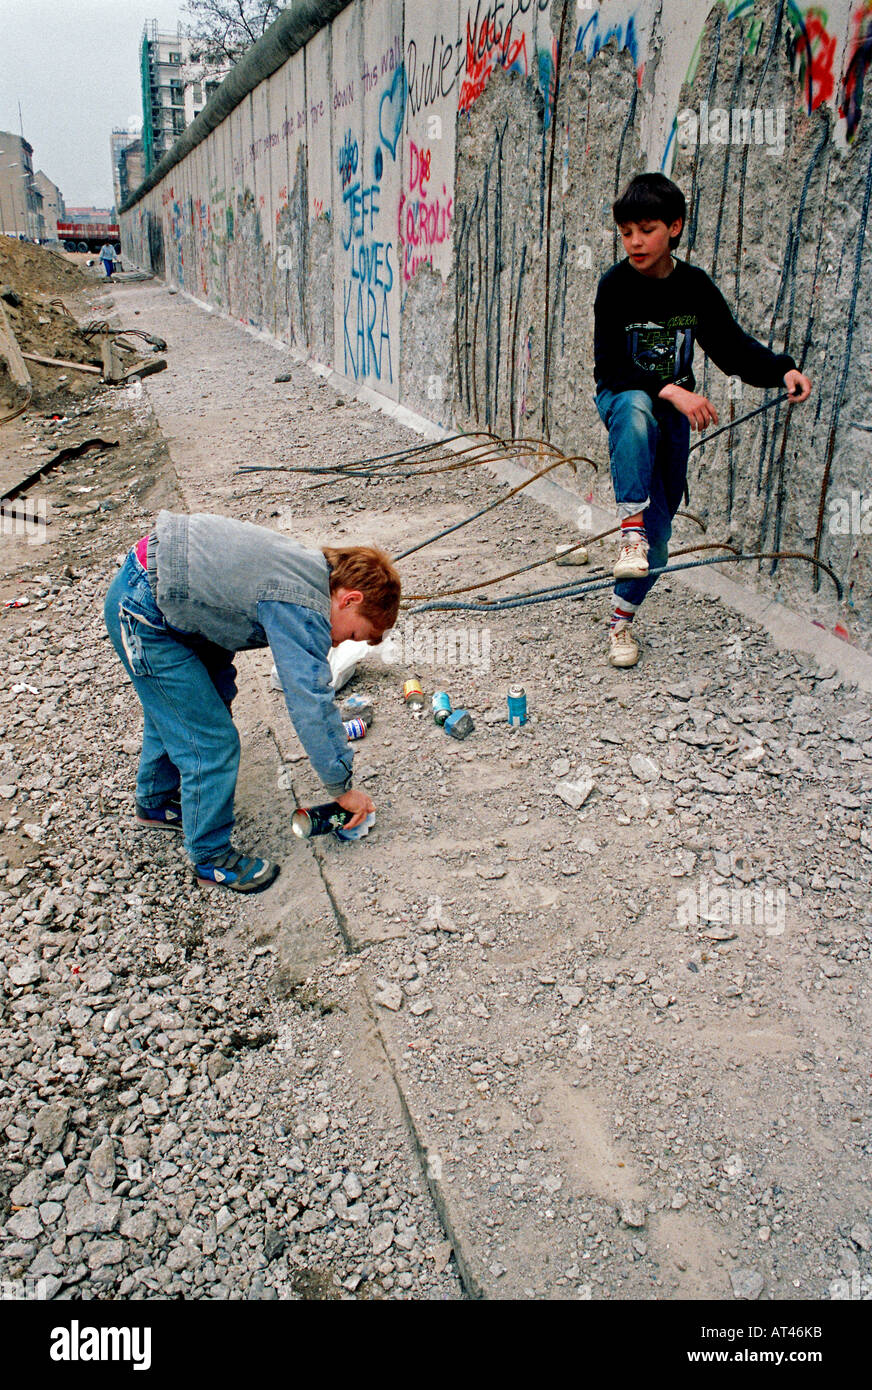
39,293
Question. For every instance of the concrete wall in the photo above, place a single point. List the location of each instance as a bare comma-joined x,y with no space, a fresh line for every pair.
421,199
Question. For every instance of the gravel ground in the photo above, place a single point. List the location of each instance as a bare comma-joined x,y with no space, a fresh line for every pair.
574,964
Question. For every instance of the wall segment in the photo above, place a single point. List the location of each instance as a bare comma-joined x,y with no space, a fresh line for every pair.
419,197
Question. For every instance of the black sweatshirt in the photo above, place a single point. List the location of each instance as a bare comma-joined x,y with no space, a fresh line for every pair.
644,331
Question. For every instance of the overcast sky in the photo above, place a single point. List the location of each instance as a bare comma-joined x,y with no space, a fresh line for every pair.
74,66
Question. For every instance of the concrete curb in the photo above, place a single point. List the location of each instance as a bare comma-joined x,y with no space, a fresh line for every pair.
463,1253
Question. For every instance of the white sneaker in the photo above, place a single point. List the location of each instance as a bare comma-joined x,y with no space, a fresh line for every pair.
632,563
623,647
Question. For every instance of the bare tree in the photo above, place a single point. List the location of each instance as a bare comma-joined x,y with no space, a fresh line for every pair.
226,28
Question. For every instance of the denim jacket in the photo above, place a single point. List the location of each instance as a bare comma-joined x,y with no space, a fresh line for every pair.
244,586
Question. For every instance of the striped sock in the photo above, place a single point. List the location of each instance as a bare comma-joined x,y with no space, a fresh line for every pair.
632,532
622,612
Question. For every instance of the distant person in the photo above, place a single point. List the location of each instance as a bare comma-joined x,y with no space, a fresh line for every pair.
107,256
649,309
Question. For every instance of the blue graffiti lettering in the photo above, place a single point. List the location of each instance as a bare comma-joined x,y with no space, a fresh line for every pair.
348,159
363,208
624,33
366,355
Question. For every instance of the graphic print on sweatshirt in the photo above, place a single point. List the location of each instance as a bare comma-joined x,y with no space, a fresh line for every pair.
663,350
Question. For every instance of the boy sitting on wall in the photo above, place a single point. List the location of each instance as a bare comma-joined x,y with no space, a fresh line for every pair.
187,598
649,309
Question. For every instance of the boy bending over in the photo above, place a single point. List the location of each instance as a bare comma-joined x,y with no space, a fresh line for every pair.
187,598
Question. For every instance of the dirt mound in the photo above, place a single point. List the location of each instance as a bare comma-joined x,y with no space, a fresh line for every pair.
38,269
32,279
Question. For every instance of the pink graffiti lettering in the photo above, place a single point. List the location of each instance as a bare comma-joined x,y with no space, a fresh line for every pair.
423,223
343,98
393,57
419,167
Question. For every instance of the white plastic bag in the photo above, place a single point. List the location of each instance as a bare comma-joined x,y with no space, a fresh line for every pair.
343,663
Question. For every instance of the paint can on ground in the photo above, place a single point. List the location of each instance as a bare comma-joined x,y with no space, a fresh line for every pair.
441,707
517,702
319,820
413,694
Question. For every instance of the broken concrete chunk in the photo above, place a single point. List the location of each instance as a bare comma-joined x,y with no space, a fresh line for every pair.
391,997
574,794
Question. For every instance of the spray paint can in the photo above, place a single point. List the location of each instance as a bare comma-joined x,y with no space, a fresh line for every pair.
354,728
517,702
319,820
441,707
413,695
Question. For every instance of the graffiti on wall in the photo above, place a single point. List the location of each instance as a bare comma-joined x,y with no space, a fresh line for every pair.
381,131
432,75
592,36
371,266
424,221
857,62
812,50
490,43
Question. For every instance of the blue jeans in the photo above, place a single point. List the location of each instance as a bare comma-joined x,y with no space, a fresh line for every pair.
185,685
648,447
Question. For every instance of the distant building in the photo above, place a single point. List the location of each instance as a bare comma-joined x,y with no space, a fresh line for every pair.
53,209
119,141
178,78
131,169
20,199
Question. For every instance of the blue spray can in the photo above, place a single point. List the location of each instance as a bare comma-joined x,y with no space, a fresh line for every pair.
517,701
441,707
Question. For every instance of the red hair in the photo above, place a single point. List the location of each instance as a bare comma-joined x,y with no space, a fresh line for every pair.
372,571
